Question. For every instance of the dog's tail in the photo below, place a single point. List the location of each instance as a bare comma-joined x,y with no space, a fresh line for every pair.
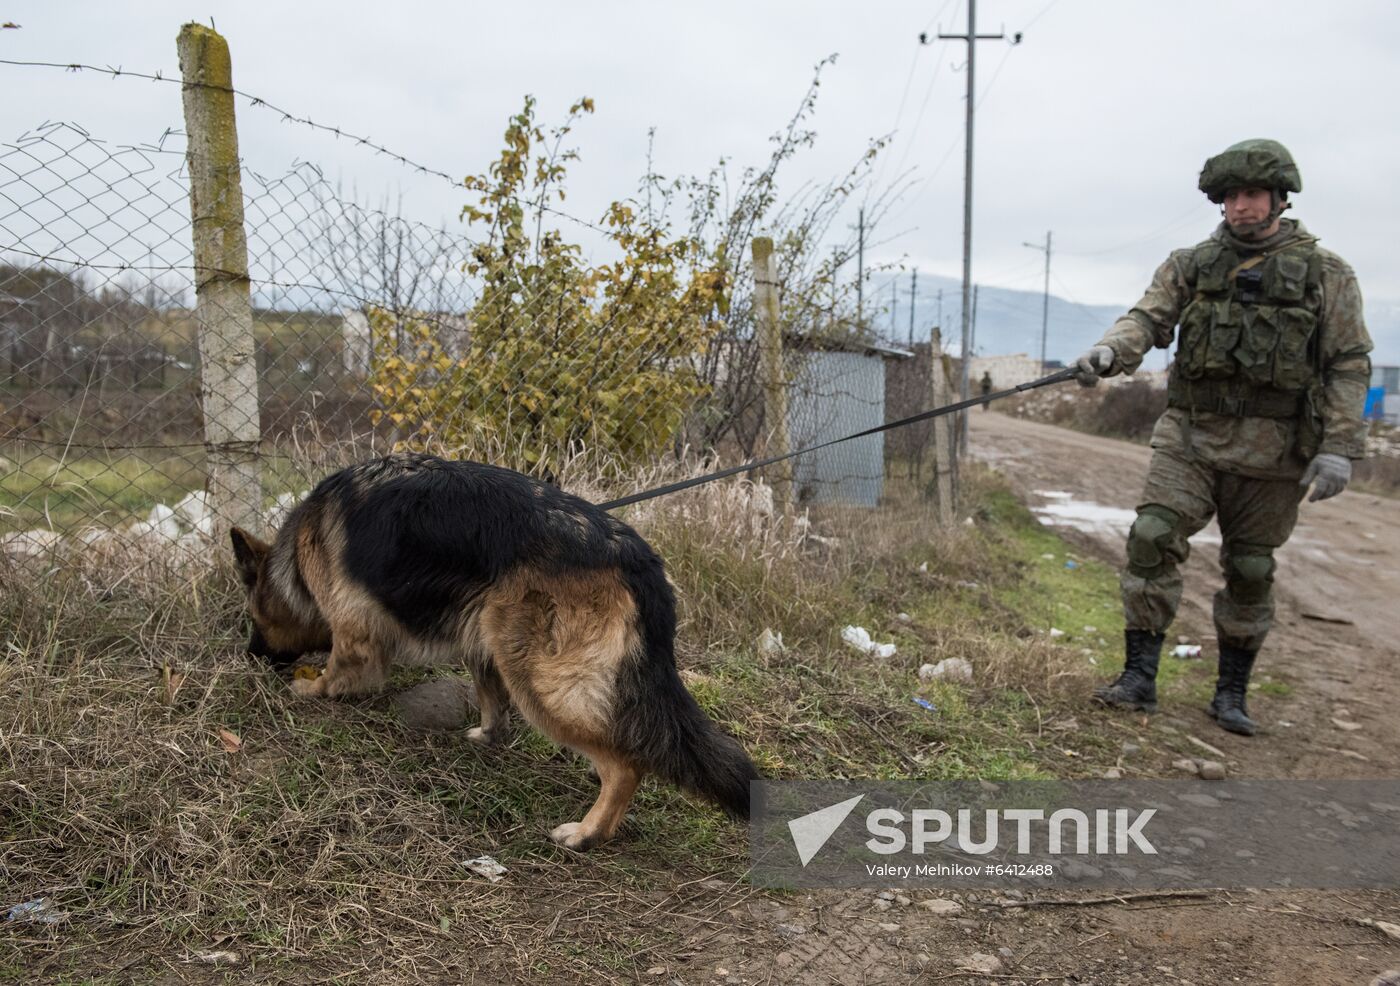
659,722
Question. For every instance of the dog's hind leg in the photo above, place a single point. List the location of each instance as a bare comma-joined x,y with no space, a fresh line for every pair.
568,697
494,702
558,645
357,666
619,777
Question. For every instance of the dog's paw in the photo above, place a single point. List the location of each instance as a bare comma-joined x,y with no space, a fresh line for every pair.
483,738
571,835
308,687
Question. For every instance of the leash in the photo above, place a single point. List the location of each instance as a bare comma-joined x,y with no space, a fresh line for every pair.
1066,374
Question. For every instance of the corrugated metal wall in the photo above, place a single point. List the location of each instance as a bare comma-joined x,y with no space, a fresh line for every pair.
834,394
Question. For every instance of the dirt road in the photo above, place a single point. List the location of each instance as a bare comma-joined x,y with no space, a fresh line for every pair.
1333,646
1335,641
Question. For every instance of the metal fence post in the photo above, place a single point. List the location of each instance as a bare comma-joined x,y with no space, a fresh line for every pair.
768,325
223,311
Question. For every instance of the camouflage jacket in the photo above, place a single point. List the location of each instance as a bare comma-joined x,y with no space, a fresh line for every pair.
1260,447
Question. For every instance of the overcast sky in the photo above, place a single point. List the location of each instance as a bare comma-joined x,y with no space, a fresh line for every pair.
1096,126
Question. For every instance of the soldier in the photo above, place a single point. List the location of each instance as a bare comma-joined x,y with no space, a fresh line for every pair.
1265,398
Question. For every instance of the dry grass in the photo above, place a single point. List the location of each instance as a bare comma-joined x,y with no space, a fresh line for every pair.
1117,409
1379,472
328,845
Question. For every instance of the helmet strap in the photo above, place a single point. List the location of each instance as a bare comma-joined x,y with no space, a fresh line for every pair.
1277,204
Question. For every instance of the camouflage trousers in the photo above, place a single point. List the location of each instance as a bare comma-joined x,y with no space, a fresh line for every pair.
1180,497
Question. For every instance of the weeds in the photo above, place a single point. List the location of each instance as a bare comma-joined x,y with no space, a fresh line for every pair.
1126,409
328,839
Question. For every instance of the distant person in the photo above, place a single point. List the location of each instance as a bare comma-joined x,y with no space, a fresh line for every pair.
986,387
1265,397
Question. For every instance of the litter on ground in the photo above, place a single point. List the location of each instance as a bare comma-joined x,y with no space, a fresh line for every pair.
859,639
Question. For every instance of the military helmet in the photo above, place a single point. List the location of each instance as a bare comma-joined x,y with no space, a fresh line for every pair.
1260,163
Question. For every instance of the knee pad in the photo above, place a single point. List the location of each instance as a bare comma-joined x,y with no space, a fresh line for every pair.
1149,541
1249,573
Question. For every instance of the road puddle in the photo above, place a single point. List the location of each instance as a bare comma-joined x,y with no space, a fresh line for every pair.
1061,509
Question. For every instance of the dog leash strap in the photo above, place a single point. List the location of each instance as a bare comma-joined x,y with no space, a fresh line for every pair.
1066,374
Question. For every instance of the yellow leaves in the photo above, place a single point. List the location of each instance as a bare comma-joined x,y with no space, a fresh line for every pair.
556,353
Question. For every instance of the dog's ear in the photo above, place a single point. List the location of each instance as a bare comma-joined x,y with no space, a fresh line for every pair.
248,553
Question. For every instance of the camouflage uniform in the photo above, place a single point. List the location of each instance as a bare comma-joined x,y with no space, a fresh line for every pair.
1265,397
1243,467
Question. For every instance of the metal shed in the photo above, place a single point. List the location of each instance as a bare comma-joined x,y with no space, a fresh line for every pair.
1383,401
838,387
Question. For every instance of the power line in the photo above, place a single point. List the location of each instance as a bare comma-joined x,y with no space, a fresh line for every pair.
1065,292
1045,306
970,39
1043,11
1017,272
928,179
1184,219
996,74
928,94
934,19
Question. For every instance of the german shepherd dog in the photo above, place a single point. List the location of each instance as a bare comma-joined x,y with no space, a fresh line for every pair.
554,605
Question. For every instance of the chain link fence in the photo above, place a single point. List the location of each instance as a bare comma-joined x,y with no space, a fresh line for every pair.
371,332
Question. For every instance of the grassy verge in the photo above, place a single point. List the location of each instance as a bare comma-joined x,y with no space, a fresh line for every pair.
329,843
68,492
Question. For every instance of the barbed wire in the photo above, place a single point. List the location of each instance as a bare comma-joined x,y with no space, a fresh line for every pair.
287,117
109,446
190,268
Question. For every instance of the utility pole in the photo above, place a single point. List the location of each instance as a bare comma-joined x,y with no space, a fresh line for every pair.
913,300
894,309
860,270
966,364
971,37
972,342
1045,304
940,308
835,266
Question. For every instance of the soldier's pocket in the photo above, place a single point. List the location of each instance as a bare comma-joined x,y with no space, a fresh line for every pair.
1257,344
1291,368
1219,353
1167,432
1310,425
1288,279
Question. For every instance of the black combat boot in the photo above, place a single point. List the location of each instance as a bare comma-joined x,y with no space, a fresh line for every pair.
1227,708
1136,687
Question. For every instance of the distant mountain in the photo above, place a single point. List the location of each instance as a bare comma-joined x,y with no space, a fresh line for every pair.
1008,321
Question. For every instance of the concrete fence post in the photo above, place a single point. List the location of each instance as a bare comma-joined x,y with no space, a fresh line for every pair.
943,430
769,330
223,310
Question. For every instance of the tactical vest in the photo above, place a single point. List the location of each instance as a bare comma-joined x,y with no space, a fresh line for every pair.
1244,346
